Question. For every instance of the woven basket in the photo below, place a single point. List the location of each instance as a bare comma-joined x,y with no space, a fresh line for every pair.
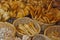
53,32
40,37
11,27
44,25
7,26
26,20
